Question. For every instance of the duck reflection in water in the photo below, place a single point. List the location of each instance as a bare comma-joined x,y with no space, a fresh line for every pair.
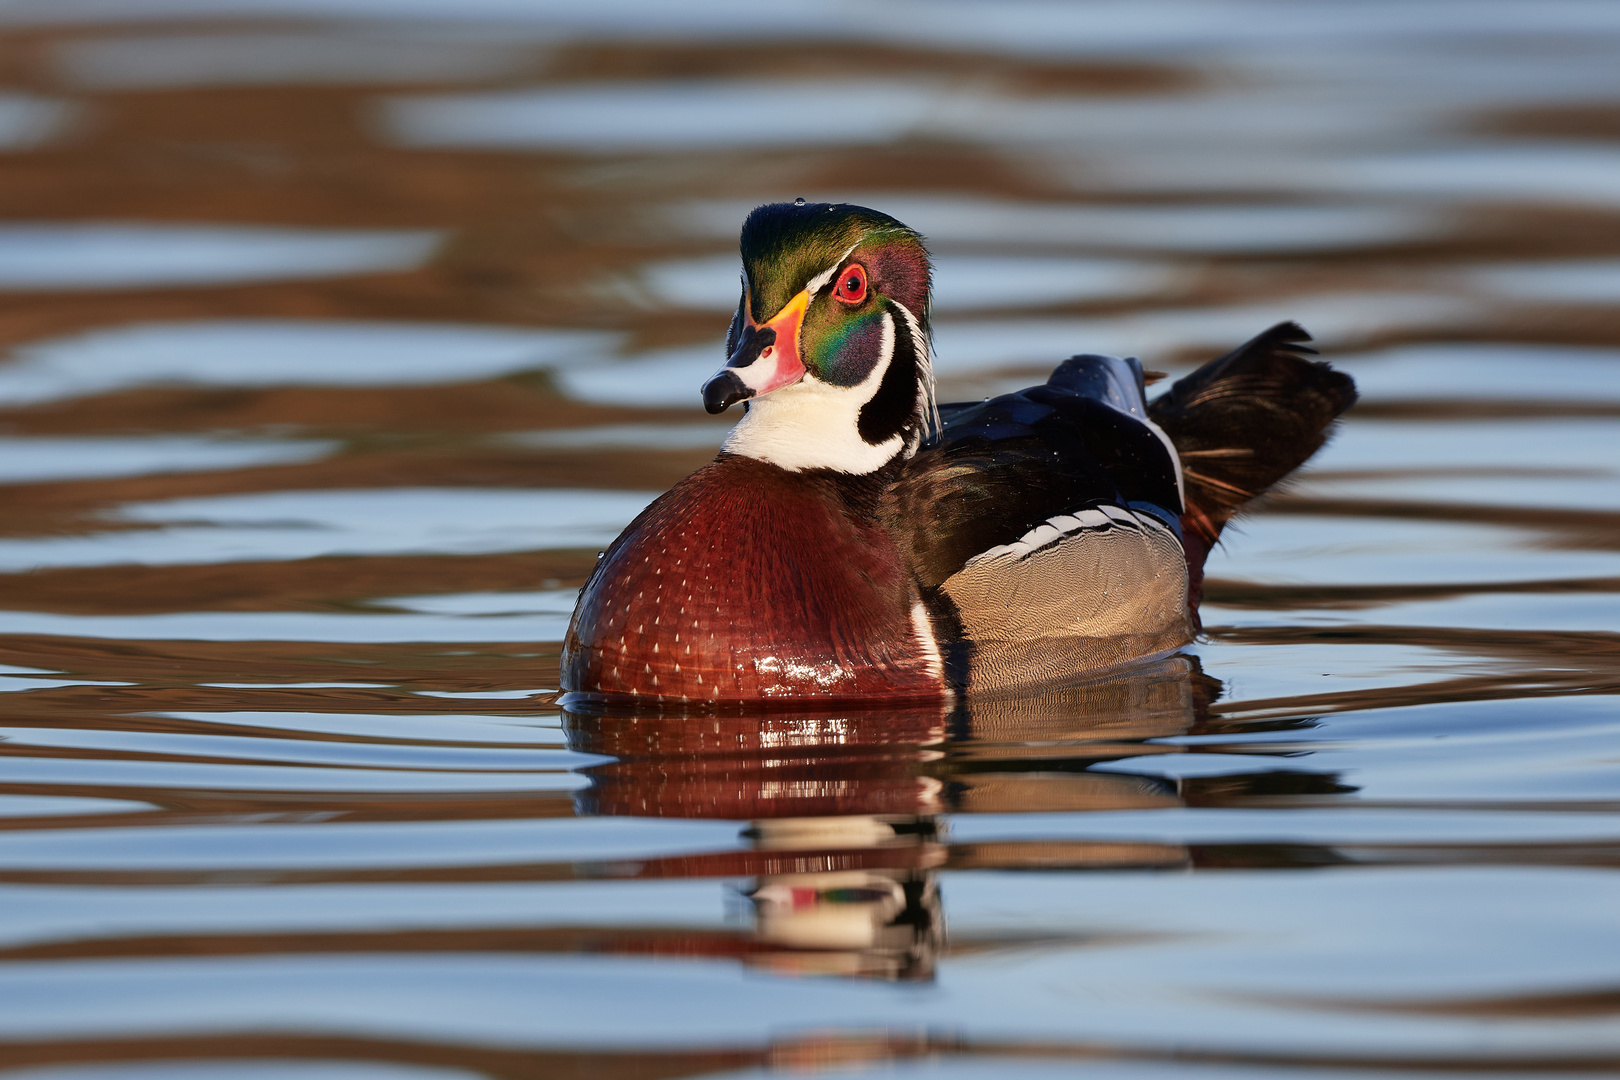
875,921
846,809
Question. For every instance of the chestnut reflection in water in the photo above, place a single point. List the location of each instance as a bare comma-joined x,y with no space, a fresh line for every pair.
846,807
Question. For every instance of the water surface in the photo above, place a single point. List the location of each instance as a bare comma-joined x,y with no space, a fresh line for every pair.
339,336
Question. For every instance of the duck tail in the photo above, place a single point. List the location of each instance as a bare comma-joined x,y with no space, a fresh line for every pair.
1241,424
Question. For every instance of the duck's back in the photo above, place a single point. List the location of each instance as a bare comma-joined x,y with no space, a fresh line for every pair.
747,582
1045,525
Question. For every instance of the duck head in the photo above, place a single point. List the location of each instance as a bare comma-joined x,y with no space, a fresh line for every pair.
829,346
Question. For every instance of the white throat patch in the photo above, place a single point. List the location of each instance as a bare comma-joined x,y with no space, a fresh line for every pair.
815,425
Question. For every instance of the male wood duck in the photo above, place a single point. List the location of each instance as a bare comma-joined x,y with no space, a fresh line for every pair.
853,541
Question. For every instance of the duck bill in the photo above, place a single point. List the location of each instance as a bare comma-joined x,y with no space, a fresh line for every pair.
766,359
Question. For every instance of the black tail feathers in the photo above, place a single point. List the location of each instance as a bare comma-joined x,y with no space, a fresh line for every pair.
1245,421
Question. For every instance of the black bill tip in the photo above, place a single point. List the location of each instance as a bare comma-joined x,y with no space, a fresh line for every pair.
723,391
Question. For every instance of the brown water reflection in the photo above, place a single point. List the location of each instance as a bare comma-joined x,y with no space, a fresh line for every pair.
846,807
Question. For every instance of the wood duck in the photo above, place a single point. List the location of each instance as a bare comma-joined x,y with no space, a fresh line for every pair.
854,541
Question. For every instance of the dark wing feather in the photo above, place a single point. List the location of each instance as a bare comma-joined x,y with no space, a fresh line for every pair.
962,500
1003,466
1241,424
1245,421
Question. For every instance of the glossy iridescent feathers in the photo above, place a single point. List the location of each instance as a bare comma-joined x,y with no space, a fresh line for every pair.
784,246
867,333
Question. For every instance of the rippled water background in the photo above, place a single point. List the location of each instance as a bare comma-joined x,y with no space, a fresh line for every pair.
339,335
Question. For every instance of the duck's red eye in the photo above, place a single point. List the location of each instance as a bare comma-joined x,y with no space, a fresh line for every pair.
851,287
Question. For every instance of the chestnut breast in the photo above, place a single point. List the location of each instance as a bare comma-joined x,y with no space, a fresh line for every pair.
746,581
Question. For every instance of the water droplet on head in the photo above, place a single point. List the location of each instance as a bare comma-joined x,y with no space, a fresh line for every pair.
799,201
603,554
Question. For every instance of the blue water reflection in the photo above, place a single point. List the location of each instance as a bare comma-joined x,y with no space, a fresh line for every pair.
124,255
279,352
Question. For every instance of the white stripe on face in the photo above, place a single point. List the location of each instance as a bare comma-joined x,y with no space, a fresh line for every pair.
823,279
